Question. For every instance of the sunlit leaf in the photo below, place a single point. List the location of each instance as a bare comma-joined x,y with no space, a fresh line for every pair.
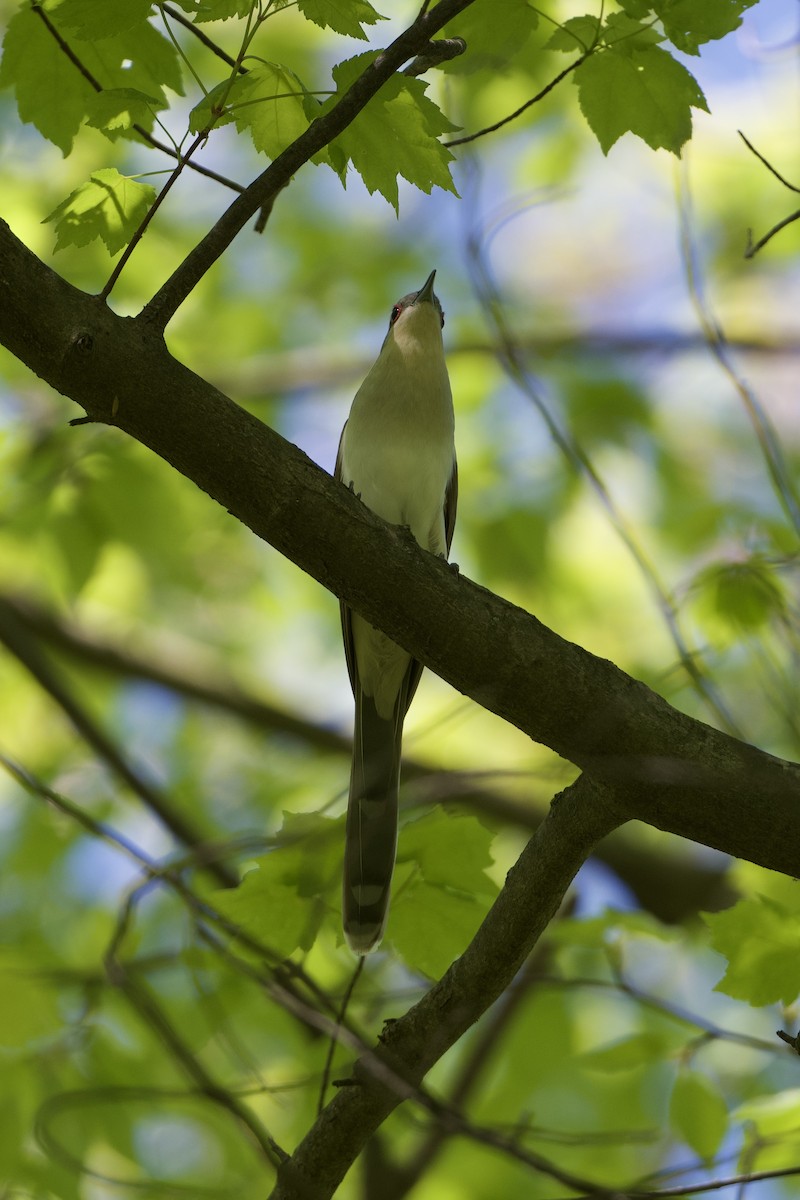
688,24
50,93
109,206
268,104
575,34
396,134
347,17
759,938
646,92
117,109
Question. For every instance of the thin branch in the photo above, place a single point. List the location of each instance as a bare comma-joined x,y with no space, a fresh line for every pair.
142,132
320,132
142,1000
782,179
471,137
754,247
781,477
282,979
24,648
715,1185
511,360
184,160
177,16
340,1016
795,216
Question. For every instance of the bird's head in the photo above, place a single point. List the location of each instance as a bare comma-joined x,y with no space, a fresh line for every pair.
416,320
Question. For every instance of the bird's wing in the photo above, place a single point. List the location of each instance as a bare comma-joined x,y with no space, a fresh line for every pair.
344,612
450,505
415,669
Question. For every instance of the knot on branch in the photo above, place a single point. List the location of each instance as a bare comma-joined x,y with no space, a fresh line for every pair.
435,53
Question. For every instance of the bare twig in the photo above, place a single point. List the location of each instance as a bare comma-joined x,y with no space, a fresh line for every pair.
142,1000
177,16
511,360
340,1016
184,160
795,216
768,440
471,137
24,648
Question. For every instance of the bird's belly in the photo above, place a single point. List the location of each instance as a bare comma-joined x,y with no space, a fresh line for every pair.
406,485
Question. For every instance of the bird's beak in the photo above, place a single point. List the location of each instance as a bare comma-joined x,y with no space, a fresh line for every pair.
426,291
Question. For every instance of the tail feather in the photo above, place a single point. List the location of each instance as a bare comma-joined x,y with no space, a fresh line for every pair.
371,835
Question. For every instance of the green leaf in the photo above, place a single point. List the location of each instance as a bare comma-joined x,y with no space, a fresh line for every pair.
268,104
574,35
698,1113
627,1053
688,24
343,16
279,901
396,134
429,926
93,20
636,8
223,10
207,114
51,94
108,206
139,59
451,850
441,890
627,33
645,92
745,594
494,34
759,938
55,97
118,109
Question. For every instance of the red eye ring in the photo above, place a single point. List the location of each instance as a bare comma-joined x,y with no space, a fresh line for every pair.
395,313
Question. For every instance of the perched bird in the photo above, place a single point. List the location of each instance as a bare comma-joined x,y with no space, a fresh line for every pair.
397,452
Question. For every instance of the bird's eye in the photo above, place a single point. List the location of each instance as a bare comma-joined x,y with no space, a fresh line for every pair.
395,314
441,314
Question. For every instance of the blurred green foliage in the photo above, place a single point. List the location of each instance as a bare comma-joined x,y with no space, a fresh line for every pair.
620,433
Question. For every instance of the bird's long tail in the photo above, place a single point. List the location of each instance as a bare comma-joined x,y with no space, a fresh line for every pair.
371,837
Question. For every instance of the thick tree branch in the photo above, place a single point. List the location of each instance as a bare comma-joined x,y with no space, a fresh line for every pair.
412,41
667,769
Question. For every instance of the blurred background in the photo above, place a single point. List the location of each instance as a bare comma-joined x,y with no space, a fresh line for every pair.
628,433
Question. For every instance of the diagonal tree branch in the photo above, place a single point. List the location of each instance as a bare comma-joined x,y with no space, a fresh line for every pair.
667,769
411,1045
